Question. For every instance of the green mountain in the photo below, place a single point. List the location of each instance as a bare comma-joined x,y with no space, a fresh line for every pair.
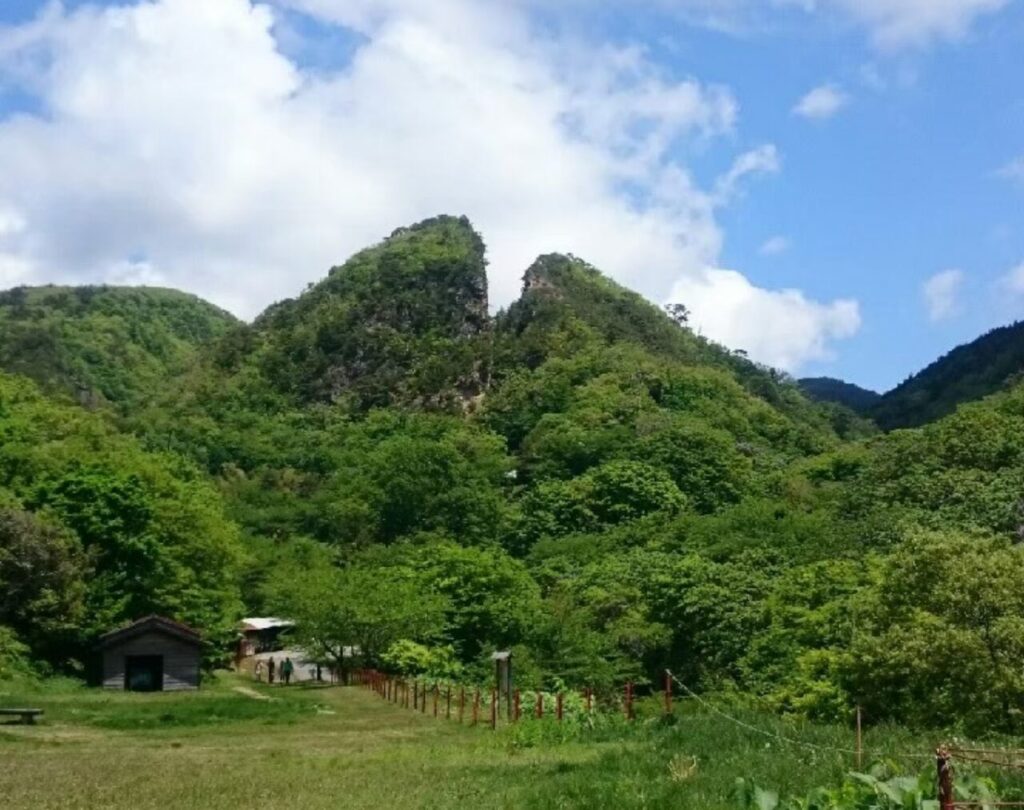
104,344
828,389
968,373
580,478
403,322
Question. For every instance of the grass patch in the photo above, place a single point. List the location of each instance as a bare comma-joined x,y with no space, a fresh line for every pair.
319,748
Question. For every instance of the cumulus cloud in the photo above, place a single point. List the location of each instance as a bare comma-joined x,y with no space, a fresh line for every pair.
780,327
821,102
941,294
178,145
775,246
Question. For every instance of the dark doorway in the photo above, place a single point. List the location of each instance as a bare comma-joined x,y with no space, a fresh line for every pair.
144,673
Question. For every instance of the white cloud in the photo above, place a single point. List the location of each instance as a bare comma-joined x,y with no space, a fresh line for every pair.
178,131
775,246
763,160
1014,170
1013,282
941,294
895,24
821,102
780,327
899,23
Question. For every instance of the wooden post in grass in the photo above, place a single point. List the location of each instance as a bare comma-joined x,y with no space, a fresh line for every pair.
436,690
423,699
668,692
462,701
629,700
540,704
945,776
590,699
558,707
476,706
448,703
860,742
415,695
515,714
494,709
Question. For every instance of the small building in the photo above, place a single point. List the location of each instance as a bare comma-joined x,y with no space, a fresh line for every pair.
262,634
153,654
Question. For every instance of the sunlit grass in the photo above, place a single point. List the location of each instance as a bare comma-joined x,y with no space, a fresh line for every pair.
319,748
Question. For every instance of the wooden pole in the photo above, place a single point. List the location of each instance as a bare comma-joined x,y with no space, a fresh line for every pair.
448,703
558,707
494,709
462,701
516,714
436,690
668,692
415,695
860,742
945,776
476,706
540,705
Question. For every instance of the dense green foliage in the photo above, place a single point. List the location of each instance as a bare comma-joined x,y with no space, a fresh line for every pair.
968,373
581,479
104,344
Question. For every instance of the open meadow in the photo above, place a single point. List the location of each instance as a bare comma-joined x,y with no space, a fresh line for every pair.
236,744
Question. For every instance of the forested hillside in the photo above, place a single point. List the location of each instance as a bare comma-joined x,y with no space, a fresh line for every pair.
581,479
970,372
104,344
829,389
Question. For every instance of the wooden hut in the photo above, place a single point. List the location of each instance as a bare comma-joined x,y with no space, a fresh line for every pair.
153,654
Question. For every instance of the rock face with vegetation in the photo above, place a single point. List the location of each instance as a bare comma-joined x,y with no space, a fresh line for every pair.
580,478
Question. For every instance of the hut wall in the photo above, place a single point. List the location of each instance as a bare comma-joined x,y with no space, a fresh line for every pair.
181,660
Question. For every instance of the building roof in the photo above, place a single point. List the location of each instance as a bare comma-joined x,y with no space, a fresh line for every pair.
154,624
265,623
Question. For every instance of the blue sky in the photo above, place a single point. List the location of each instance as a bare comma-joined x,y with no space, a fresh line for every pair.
237,150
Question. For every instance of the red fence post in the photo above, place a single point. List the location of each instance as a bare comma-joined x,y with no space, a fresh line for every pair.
668,692
945,769
558,707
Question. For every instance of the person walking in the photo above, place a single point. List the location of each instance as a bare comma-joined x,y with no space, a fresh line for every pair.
287,668
259,670
271,666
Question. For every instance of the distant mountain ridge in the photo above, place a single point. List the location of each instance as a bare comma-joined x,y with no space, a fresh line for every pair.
829,389
968,373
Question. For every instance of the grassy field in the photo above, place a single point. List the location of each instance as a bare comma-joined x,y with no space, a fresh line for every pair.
345,747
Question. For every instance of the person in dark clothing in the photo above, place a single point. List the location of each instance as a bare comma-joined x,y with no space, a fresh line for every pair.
287,668
271,666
